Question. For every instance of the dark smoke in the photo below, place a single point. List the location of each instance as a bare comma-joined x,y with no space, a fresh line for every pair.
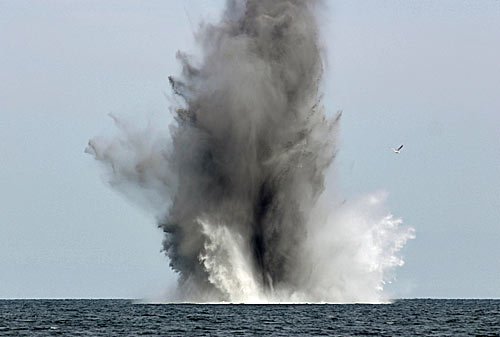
252,143
249,146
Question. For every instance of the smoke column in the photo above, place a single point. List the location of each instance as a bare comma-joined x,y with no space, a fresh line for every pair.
237,183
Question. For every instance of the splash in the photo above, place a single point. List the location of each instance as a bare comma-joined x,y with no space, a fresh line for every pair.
237,183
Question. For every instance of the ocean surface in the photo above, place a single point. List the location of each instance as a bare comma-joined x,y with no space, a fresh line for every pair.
126,318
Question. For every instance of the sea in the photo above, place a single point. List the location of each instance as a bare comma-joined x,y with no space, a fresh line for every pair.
416,317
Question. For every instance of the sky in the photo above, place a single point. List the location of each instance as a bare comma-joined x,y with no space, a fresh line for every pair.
417,72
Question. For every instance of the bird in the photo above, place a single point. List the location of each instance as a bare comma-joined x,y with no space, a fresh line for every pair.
398,150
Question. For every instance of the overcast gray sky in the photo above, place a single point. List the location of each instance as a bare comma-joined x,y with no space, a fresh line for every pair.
422,73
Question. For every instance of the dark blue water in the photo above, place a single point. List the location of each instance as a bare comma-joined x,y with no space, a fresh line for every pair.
124,318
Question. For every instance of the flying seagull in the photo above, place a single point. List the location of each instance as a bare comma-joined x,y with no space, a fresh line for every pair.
398,150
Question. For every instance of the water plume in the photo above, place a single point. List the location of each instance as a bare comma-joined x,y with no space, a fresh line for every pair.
237,183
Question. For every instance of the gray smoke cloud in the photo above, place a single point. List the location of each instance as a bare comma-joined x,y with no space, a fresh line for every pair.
235,180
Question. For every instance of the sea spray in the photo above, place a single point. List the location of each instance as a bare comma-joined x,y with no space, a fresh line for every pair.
237,187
